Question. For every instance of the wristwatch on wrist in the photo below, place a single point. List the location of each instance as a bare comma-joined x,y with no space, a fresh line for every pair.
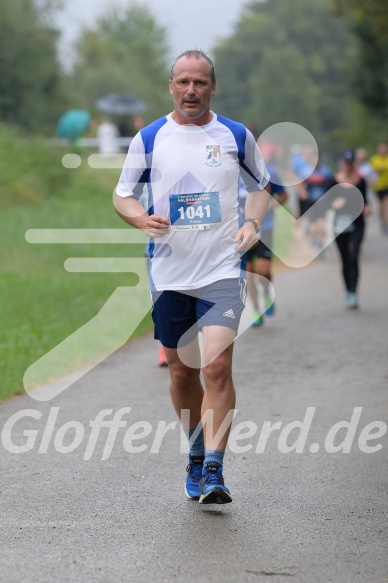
256,222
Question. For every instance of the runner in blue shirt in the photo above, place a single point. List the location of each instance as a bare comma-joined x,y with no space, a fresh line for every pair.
310,191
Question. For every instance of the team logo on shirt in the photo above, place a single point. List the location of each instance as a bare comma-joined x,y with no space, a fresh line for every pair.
213,155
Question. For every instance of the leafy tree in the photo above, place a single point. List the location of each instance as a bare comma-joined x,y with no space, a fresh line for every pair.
30,79
288,61
374,11
292,95
125,52
369,21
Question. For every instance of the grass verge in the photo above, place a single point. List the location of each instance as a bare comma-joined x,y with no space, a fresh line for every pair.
42,304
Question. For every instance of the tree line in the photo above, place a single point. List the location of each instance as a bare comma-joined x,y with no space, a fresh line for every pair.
322,64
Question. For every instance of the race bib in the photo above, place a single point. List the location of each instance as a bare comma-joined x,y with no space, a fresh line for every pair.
196,211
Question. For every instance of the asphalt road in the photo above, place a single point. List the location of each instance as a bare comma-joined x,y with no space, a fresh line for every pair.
309,517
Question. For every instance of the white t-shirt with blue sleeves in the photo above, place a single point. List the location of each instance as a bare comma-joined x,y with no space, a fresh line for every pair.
192,177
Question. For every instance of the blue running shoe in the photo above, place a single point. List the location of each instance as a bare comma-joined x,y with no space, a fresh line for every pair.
194,475
212,487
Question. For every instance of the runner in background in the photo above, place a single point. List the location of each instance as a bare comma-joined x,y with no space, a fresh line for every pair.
379,163
310,191
300,168
162,359
348,239
259,259
366,170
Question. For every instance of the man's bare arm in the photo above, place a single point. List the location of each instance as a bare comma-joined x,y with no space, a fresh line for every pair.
131,211
255,208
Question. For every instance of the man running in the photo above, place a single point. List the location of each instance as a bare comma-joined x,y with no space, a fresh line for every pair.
191,160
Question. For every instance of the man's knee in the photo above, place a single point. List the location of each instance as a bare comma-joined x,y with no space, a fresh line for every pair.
181,374
218,372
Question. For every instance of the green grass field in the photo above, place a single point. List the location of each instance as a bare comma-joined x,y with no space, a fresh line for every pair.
42,303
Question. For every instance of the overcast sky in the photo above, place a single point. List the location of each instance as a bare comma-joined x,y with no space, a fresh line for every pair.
189,24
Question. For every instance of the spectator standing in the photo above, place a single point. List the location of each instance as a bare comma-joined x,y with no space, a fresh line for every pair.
108,134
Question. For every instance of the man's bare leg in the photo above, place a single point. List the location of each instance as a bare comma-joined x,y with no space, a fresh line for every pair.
219,398
187,395
217,410
185,387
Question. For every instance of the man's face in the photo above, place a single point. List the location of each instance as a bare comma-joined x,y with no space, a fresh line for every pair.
191,87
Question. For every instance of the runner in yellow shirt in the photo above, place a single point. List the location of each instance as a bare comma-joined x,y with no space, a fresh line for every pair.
379,162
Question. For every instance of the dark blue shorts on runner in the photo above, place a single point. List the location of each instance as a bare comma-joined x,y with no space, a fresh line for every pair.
218,304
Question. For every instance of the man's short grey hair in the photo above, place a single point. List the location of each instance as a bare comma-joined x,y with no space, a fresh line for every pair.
198,54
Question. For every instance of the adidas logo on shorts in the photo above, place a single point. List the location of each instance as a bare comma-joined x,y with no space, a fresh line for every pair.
229,314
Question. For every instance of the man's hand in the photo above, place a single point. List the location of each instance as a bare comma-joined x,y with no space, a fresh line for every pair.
246,237
155,225
133,213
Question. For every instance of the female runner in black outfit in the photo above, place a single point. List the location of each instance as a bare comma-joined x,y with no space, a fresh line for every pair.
349,240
